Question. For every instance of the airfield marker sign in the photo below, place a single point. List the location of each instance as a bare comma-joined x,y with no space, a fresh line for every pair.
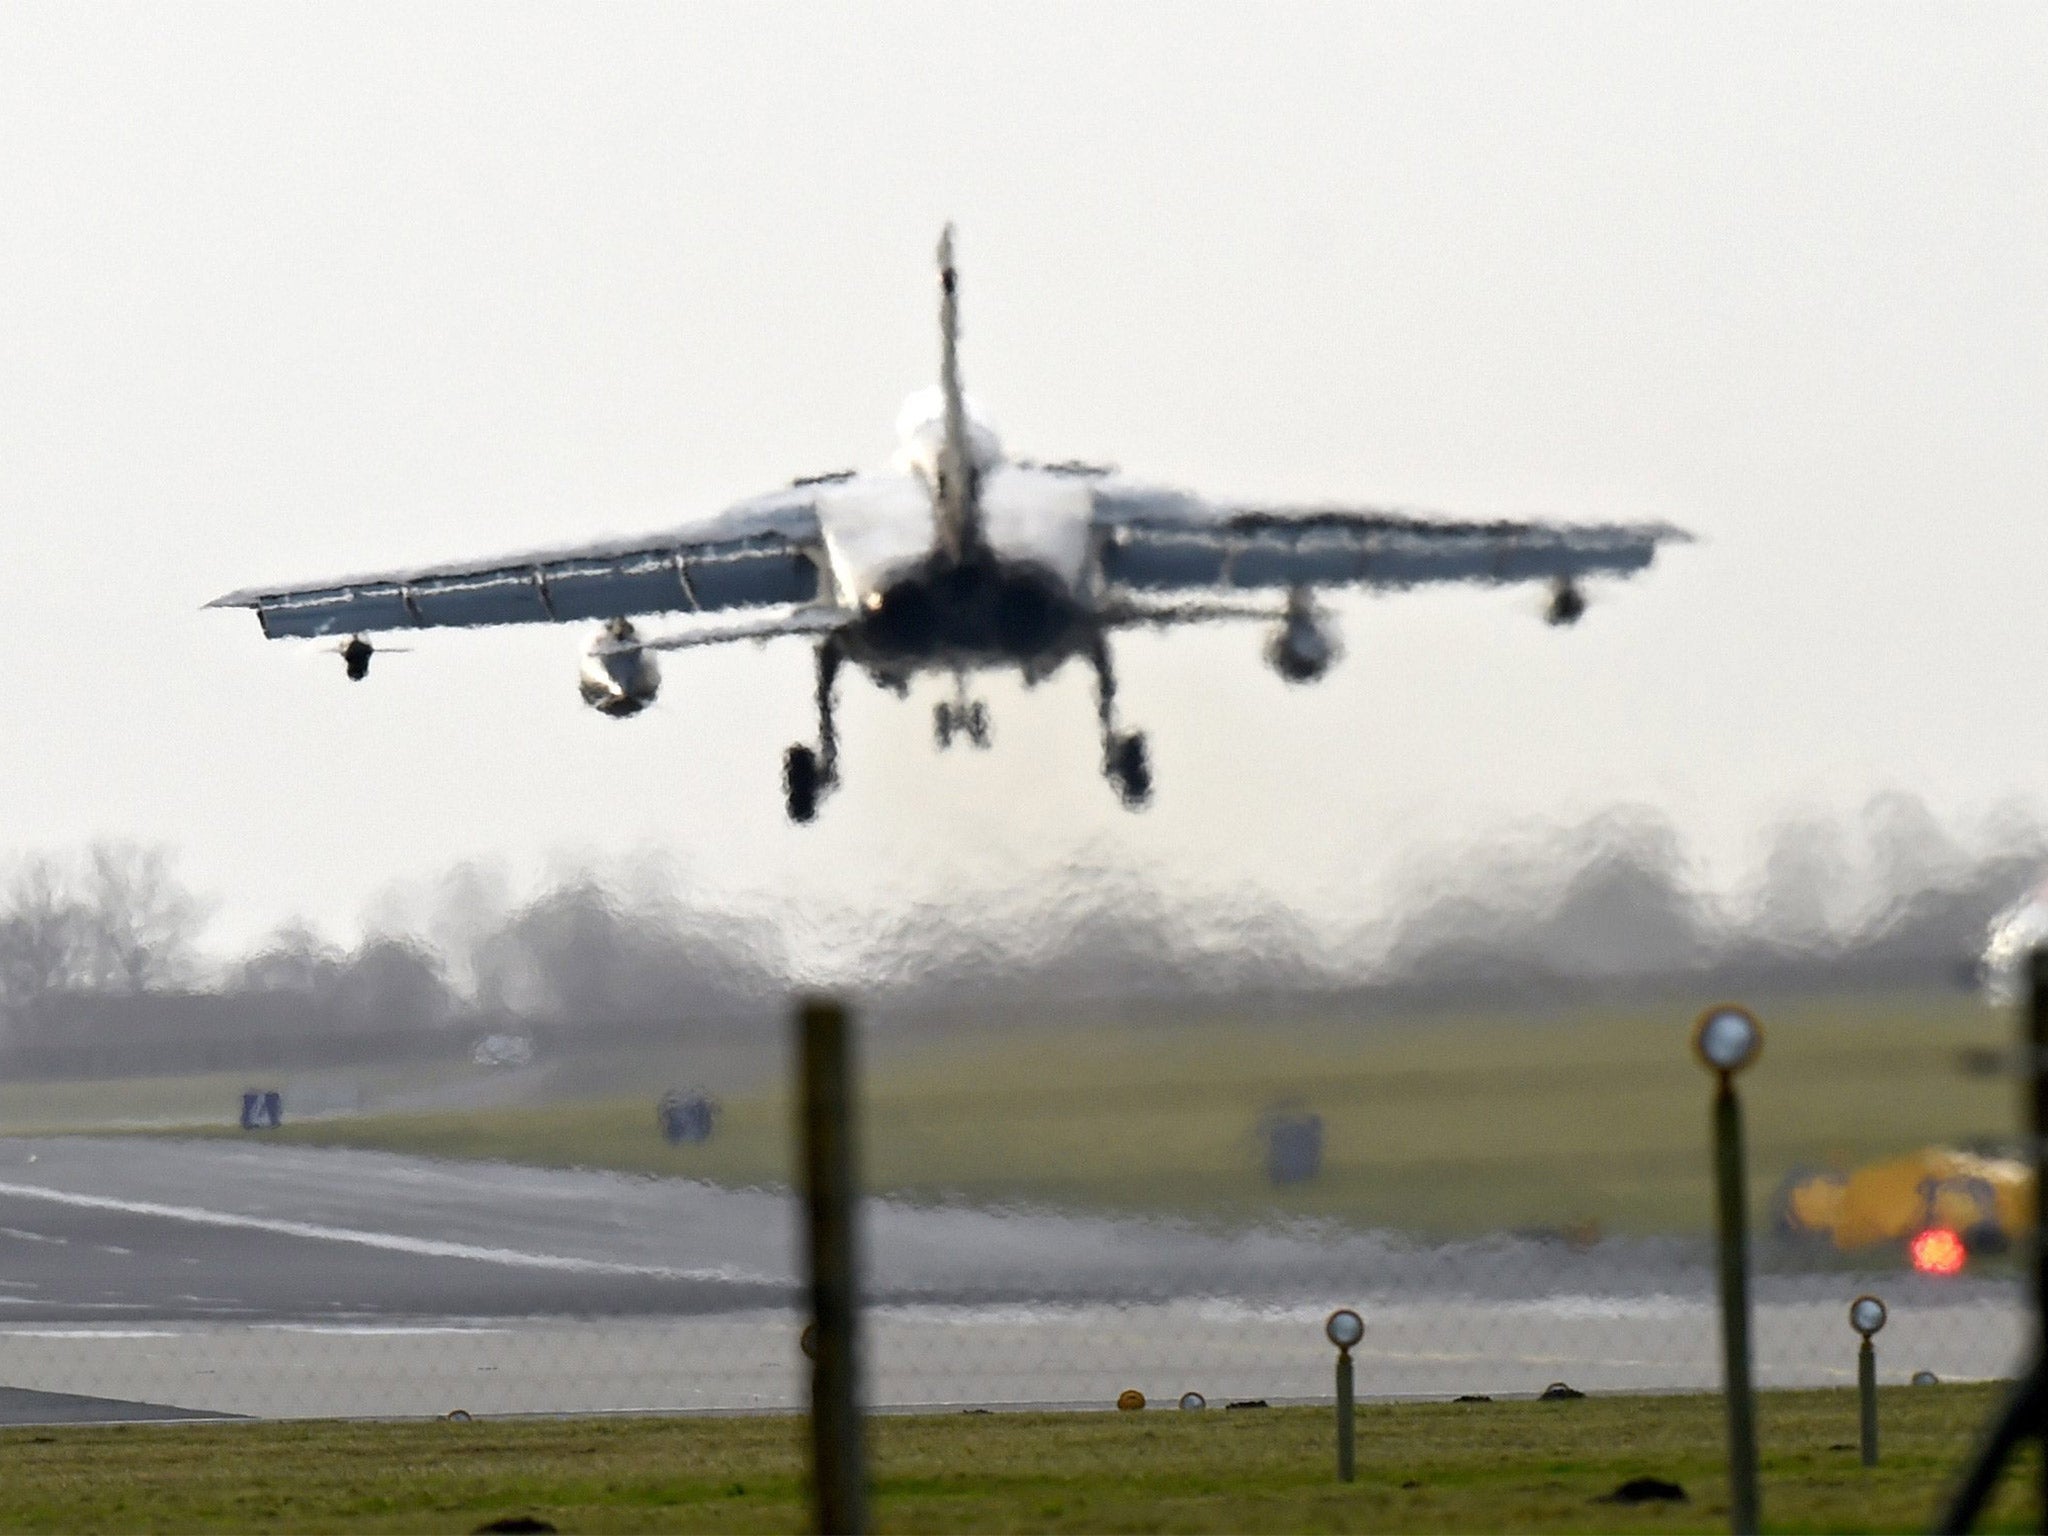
1867,1315
1727,1039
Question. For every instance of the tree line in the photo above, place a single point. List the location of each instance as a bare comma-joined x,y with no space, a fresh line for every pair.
112,919
105,938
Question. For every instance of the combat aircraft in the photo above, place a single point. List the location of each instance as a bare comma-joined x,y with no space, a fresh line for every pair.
956,559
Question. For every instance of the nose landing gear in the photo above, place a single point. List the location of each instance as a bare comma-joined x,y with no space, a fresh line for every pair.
960,716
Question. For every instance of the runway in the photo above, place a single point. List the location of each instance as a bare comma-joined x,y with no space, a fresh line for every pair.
255,1278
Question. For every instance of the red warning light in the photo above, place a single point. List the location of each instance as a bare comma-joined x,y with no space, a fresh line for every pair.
1937,1251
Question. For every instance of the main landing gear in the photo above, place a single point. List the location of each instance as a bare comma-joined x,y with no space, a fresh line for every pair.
809,773
1124,762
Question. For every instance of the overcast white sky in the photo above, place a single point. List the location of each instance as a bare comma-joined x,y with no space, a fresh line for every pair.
292,290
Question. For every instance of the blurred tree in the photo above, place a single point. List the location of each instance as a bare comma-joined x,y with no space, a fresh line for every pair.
293,959
42,937
139,925
392,983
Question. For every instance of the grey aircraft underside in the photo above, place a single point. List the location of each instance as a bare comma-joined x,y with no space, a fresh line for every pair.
956,559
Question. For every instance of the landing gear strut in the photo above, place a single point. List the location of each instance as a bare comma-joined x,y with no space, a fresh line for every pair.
809,773
1124,762
960,716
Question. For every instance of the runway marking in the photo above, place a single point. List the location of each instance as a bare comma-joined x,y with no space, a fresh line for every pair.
74,1306
380,1330
88,1333
389,1242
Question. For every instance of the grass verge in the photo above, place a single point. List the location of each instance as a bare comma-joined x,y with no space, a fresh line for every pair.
1441,1124
1521,1466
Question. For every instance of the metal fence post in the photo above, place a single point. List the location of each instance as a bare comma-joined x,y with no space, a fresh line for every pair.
1867,1316
825,1131
1347,1431
2037,1127
2025,1414
1345,1328
1728,1169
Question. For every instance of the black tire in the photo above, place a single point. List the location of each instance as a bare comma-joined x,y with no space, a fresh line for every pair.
942,725
1130,771
1987,1239
800,783
977,723
1567,605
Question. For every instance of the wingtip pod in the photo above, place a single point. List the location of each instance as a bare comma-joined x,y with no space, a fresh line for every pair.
1651,535
1640,533
1659,535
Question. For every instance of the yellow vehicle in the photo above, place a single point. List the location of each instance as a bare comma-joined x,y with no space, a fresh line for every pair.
1986,1201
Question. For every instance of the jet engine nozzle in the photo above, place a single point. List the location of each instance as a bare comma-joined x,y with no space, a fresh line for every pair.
619,678
1305,645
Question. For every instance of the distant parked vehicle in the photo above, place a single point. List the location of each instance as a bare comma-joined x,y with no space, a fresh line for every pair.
262,1109
503,1051
1985,1202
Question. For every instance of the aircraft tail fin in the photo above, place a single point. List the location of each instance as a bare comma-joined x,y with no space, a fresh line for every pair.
958,502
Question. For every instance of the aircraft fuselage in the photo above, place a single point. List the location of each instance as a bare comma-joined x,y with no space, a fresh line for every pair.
977,611
1015,594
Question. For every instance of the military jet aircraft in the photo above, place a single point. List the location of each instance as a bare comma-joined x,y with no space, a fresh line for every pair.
956,559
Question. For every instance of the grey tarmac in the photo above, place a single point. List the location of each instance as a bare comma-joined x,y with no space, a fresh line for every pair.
258,1278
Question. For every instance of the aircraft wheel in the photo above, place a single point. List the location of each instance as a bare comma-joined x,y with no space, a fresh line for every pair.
977,723
1129,770
1567,605
801,782
943,725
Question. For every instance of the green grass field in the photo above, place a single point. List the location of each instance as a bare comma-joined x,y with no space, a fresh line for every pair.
1439,1124
33,1107
1520,1466
186,1100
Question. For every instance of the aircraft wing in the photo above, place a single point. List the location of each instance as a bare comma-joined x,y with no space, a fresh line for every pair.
761,552
1160,540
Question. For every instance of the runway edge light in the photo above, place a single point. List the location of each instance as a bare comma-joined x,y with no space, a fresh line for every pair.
1726,1039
